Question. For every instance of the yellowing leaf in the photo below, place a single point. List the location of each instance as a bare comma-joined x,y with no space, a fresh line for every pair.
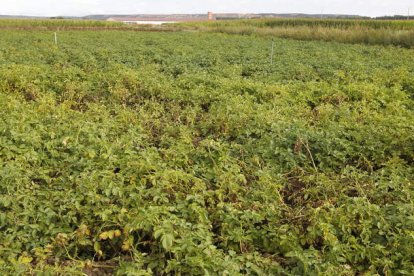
117,233
25,259
126,246
111,234
103,236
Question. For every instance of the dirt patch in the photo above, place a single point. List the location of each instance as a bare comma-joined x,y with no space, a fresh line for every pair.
292,192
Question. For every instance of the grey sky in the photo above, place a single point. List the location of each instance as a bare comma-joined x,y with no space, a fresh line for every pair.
84,7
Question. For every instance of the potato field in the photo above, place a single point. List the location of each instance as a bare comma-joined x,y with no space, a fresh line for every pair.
191,153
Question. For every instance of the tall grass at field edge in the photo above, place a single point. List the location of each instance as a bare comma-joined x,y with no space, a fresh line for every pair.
403,38
372,32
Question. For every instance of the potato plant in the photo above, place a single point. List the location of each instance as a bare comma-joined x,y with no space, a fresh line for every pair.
183,153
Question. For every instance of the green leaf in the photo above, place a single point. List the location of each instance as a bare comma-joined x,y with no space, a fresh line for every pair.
167,241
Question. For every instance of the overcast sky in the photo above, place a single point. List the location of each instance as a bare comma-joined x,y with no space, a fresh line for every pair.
84,7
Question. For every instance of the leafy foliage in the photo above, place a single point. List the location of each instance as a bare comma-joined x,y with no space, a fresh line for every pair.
146,153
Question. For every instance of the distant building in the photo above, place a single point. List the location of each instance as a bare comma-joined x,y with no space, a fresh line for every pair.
162,19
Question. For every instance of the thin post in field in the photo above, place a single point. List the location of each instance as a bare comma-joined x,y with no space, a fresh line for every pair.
56,39
272,52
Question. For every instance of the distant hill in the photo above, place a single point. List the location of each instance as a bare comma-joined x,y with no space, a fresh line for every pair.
19,16
223,16
219,16
285,15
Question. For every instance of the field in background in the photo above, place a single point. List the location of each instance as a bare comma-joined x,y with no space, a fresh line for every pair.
380,32
55,23
372,32
66,24
325,23
140,153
